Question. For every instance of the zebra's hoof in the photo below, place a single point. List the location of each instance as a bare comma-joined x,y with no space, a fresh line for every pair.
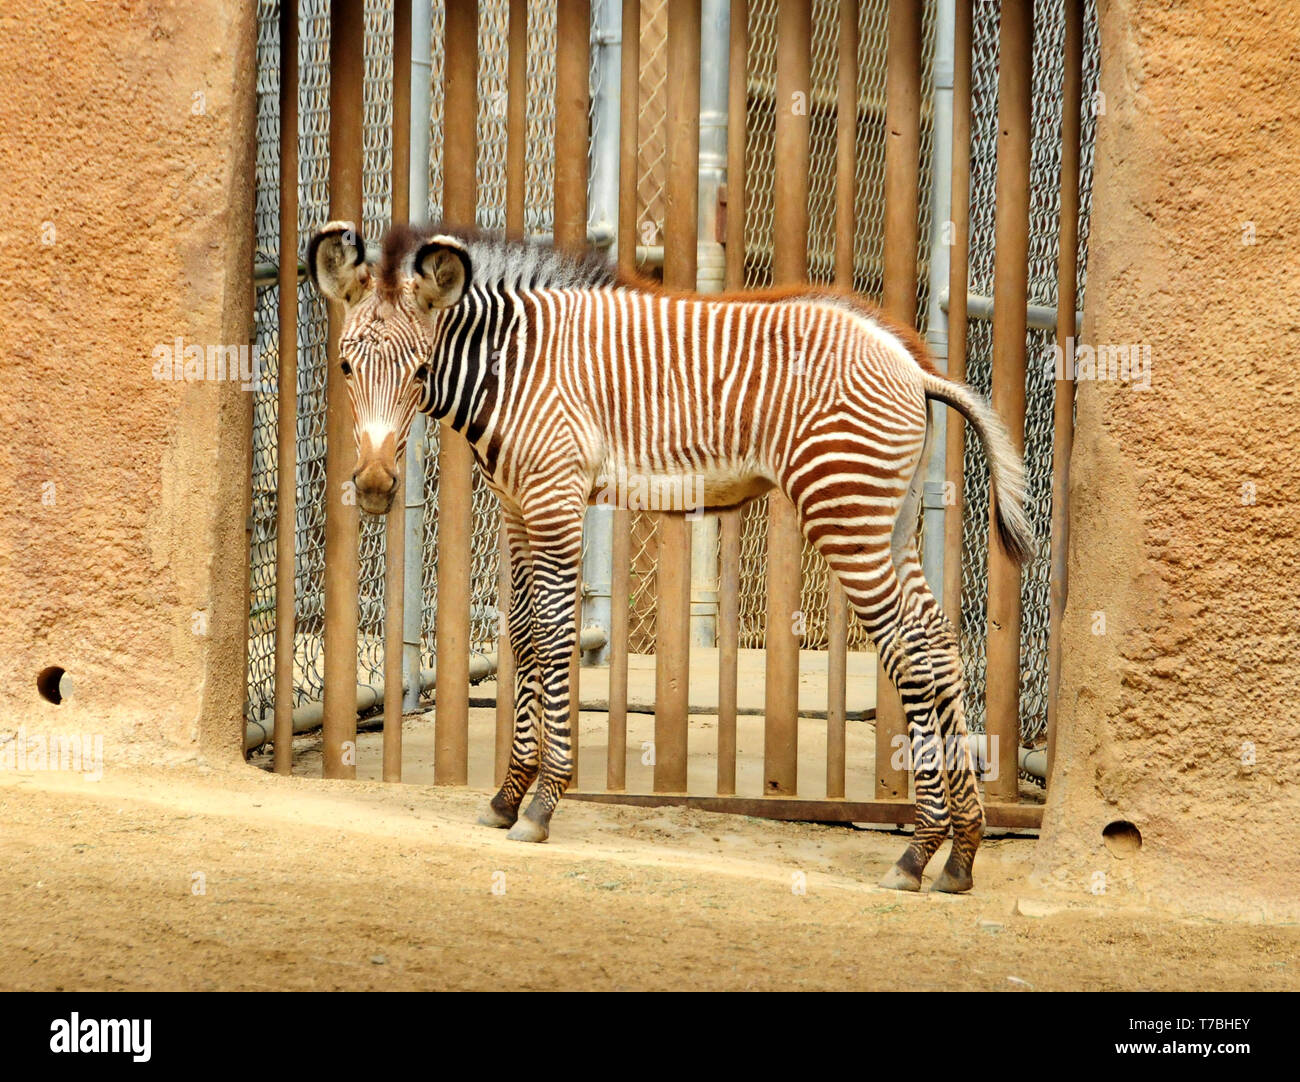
499,819
898,879
947,883
526,830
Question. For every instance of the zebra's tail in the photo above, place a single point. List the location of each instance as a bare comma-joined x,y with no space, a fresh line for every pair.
1005,464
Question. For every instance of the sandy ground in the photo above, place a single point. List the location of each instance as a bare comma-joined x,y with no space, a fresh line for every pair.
198,878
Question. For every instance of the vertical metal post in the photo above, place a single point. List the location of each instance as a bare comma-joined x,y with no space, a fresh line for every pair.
455,462
958,272
416,443
1067,277
673,574
621,526
286,496
789,265
837,602
902,174
934,507
339,725
602,218
1010,297
729,521
395,522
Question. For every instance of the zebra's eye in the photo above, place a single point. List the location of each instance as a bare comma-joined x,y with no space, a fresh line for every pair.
347,368
422,373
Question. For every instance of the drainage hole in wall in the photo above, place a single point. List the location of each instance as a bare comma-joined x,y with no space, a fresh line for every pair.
52,685
1122,838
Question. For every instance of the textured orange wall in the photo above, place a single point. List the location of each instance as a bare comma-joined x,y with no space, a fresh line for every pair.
1199,587
127,203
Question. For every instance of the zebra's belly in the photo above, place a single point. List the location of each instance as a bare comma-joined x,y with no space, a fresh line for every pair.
685,489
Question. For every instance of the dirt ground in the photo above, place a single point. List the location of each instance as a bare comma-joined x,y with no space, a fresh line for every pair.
198,878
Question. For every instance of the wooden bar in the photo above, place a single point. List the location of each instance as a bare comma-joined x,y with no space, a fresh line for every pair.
1010,296
286,482
516,150
846,162
628,118
572,65
621,520
619,599
958,278
729,522
902,205
516,117
395,523
455,462
673,569
1067,277
342,521
1003,816
572,91
737,124
728,646
789,265
505,730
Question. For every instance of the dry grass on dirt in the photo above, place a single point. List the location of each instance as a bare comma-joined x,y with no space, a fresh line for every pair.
332,885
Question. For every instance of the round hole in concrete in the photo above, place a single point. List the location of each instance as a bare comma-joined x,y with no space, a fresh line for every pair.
1122,838
49,682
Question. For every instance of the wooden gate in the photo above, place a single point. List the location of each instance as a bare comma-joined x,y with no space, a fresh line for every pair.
903,106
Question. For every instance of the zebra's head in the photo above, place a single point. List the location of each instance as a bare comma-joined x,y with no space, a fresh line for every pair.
385,343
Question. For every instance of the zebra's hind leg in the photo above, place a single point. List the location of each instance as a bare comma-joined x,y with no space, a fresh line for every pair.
525,748
964,802
907,663
555,538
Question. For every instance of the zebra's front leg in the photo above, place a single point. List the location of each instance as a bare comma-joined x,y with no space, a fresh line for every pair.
556,550
525,747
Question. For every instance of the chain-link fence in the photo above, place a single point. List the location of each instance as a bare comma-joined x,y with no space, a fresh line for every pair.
313,197
313,104
1044,222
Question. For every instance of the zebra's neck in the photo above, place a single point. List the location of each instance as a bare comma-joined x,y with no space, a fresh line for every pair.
465,375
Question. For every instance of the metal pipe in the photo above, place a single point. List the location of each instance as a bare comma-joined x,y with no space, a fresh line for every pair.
1067,277
958,274
455,461
789,265
307,716
341,513
286,482
1011,293
1041,317
417,441
933,503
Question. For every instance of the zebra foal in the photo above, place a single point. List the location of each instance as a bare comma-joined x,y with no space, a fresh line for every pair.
562,375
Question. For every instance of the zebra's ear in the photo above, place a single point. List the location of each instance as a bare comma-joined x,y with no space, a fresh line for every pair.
336,263
442,273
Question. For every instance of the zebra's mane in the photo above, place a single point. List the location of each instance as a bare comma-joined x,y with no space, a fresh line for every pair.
496,263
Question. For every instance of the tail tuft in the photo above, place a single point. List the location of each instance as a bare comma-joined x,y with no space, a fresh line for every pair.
1006,467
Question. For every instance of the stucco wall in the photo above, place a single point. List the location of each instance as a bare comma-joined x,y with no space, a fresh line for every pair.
1185,498
126,225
